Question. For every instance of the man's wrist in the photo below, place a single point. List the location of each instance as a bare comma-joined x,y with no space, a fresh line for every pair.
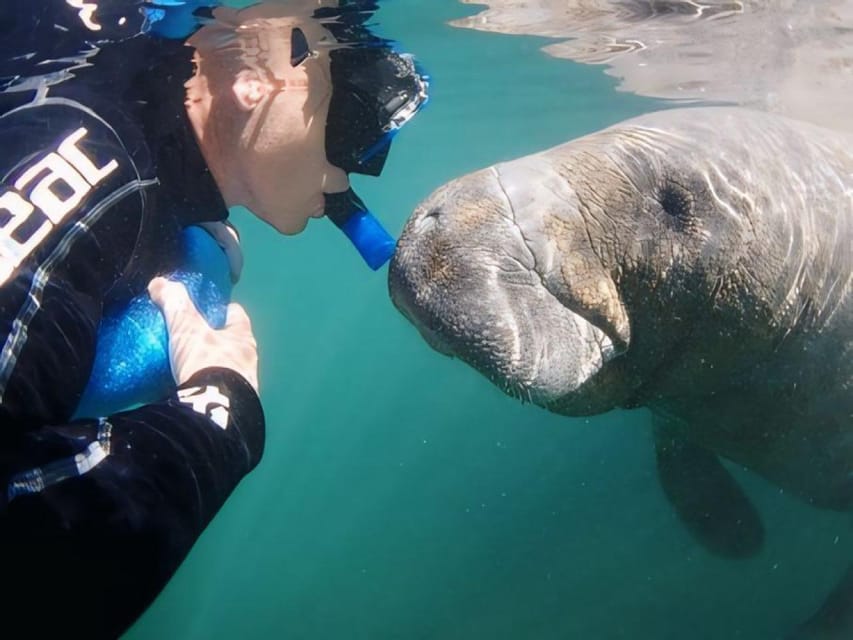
229,401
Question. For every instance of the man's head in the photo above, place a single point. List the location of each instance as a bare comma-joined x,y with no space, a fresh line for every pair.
268,78
259,102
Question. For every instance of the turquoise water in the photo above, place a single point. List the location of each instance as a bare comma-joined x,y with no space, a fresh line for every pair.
401,495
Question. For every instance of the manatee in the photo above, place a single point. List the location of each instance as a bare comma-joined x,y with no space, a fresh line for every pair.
696,262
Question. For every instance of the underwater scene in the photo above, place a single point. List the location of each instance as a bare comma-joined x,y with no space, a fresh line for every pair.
601,390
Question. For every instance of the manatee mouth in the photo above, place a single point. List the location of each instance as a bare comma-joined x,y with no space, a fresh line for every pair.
466,276
533,349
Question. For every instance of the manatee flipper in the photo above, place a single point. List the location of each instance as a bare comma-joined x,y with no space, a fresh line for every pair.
834,620
706,498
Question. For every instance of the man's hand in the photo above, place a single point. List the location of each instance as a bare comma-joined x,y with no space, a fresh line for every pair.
194,345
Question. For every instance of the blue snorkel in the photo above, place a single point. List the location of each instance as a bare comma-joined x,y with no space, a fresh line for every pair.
375,91
362,228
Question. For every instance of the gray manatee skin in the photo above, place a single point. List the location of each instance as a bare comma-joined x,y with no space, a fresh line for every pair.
695,261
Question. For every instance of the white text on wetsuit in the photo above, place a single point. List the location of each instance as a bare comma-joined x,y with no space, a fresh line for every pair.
55,185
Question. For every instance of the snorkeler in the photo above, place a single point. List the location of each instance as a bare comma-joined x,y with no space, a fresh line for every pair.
117,137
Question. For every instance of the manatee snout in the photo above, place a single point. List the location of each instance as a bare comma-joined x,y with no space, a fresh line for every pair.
465,275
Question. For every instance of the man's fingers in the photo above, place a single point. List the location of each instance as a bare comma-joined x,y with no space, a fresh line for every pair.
194,345
174,302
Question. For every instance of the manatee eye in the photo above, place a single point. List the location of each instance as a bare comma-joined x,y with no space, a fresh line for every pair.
677,203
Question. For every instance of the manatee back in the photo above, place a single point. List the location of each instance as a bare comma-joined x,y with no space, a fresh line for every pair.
764,205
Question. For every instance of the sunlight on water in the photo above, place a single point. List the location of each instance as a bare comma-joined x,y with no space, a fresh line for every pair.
794,58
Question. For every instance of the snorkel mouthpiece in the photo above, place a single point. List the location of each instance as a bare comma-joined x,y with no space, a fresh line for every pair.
362,228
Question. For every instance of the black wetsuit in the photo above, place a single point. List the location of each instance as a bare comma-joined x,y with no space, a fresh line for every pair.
99,172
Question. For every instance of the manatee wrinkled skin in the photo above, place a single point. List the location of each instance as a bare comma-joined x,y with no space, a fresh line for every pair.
696,262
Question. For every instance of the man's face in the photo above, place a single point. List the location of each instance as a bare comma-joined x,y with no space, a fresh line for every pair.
282,151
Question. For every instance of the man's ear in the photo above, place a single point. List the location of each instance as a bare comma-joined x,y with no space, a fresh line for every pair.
249,89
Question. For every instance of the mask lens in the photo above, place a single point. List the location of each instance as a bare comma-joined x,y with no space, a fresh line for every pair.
299,49
375,91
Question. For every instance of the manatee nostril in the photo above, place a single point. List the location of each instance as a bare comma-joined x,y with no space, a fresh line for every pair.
428,220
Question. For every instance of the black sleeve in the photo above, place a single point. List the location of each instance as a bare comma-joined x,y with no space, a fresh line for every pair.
98,515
